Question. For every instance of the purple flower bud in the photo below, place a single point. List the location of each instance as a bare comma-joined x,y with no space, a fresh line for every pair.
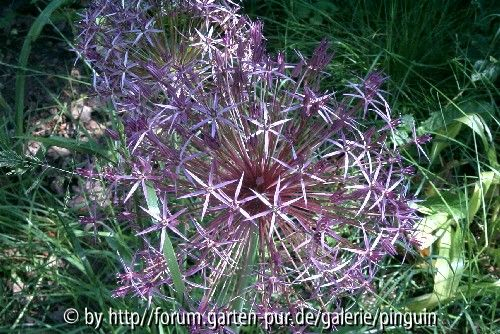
281,62
408,170
424,139
320,57
373,82
297,70
396,122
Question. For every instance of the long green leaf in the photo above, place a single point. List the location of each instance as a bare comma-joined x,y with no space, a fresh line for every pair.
33,34
168,248
480,189
449,269
88,147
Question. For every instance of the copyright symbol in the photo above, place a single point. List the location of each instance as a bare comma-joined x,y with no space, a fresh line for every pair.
71,316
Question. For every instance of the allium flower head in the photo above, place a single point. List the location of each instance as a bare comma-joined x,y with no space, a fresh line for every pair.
274,192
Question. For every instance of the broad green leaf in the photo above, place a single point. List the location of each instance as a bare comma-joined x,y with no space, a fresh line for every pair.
441,228
429,229
451,203
480,189
450,264
449,269
442,139
449,115
476,123
447,125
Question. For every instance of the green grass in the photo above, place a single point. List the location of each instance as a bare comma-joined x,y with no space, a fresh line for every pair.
441,59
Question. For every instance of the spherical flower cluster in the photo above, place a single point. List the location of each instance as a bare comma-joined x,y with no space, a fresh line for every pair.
274,193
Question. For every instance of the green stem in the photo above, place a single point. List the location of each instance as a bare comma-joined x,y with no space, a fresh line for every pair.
244,278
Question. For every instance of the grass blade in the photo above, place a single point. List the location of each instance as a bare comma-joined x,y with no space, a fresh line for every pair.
33,34
88,147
